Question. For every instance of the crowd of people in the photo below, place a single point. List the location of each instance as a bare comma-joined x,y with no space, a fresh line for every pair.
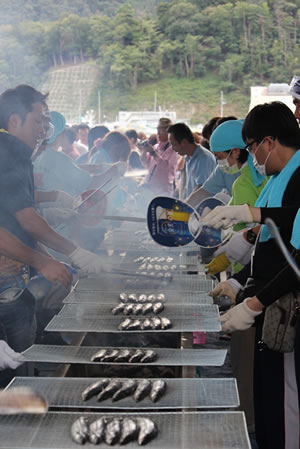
58,183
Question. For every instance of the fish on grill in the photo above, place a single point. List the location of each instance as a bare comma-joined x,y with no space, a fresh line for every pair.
149,356
142,298
166,323
97,357
130,430
124,324
113,386
97,430
134,325
158,389
110,356
147,308
127,389
123,356
80,430
148,430
147,324
118,309
123,297
132,297
136,356
158,307
152,298
156,323
94,389
128,309
137,309
113,431
143,389
160,297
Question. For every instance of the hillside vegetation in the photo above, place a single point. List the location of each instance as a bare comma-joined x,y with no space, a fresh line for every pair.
187,50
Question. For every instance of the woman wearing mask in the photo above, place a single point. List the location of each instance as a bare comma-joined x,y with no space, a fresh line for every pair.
227,144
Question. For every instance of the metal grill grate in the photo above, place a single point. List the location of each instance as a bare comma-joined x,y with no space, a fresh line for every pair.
202,430
110,282
206,322
111,297
180,393
166,356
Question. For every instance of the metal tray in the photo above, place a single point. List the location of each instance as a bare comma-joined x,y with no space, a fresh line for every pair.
190,430
206,322
170,310
166,356
111,297
181,393
111,282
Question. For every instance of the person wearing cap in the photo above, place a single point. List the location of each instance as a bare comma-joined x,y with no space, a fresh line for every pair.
273,137
295,91
160,160
229,148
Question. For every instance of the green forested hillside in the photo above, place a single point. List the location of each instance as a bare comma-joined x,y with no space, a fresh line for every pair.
139,43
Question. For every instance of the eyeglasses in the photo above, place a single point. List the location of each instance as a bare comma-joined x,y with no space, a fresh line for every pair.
249,146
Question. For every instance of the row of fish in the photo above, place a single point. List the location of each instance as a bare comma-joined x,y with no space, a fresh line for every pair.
114,430
154,259
141,299
125,355
147,324
138,309
118,389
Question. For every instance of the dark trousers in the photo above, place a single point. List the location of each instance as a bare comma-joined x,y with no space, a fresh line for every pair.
18,322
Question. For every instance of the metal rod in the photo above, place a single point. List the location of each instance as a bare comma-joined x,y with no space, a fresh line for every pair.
122,218
93,193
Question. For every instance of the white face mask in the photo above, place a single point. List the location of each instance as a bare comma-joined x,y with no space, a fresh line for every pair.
261,168
224,165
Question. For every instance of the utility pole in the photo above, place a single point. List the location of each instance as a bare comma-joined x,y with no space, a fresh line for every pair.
80,104
155,101
222,103
99,106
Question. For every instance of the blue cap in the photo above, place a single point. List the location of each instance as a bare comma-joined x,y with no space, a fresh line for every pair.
59,123
226,136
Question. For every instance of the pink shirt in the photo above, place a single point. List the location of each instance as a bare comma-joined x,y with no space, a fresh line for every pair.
161,167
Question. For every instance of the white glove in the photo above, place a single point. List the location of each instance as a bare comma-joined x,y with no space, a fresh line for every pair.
228,288
55,216
87,261
227,216
239,318
237,249
8,357
65,199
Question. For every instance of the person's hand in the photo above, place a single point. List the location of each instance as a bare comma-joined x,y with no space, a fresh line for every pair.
226,216
240,317
87,261
55,216
218,264
236,250
228,288
54,271
65,199
8,357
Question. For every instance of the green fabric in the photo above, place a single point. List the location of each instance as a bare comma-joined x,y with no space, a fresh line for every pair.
244,191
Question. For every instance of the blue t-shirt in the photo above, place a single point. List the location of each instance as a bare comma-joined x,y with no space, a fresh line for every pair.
57,171
218,180
198,168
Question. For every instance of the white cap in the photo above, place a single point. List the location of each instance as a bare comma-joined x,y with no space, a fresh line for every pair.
295,87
